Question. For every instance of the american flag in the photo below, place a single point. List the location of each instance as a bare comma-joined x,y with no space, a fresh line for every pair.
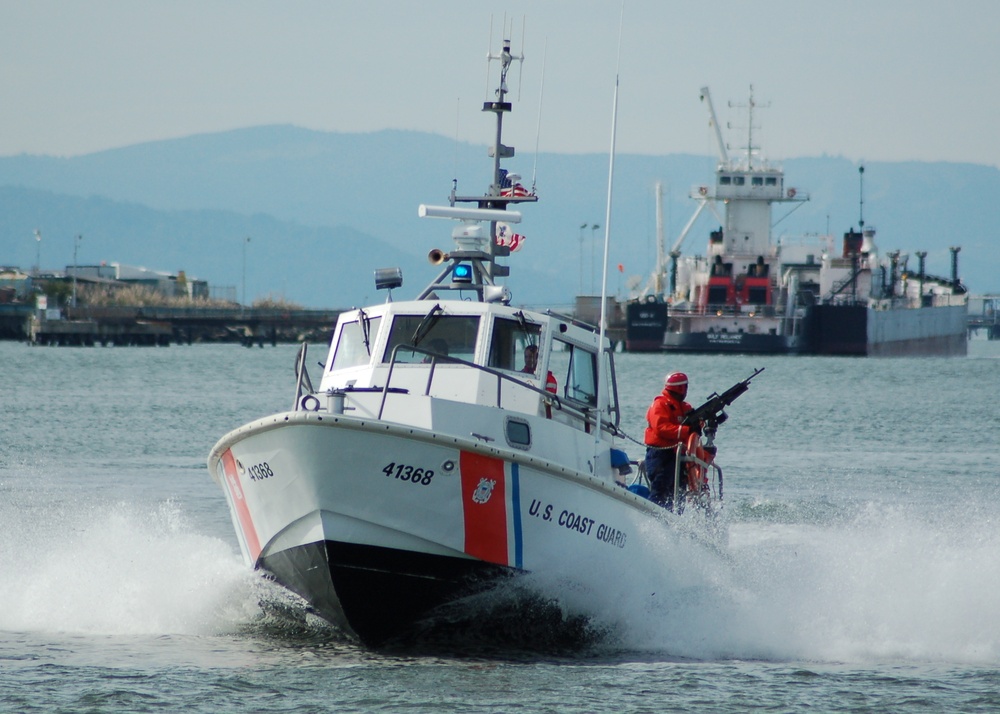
510,185
507,237
517,190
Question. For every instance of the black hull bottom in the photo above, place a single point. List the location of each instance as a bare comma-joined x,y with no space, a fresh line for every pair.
377,594
399,599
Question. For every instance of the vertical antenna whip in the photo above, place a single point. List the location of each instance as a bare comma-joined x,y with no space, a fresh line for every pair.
861,201
601,373
538,126
458,122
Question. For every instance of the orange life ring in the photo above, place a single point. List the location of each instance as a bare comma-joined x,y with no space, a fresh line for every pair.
791,193
696,481
703,190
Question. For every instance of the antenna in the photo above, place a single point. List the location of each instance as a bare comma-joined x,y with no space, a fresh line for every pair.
458,123
750,106
520,67
505,57
538,126
861,198
601,401
657,284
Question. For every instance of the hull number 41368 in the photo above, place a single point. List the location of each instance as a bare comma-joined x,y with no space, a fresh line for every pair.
405,472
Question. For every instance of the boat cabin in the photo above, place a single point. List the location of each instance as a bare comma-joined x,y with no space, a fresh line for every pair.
479,353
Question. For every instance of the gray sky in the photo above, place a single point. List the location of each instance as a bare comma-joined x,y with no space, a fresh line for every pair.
868,80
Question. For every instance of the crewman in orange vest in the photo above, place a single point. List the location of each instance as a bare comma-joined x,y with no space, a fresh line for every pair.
664,431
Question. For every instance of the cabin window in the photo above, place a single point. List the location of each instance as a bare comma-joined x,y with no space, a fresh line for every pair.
725,180
757,180
451,335
771,181
574,368
739,180
510,340
518,433
355,343
577,373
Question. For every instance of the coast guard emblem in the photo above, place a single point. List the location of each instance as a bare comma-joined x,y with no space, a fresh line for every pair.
484,490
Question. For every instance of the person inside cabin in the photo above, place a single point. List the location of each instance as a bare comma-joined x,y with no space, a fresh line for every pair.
530,359
438,346
664,431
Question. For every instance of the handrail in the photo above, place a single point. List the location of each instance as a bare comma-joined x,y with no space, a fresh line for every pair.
682,457
582,414
301,375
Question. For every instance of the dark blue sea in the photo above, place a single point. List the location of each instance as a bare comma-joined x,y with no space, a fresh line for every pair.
862,571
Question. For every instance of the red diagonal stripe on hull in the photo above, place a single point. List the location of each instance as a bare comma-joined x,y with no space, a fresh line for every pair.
240,504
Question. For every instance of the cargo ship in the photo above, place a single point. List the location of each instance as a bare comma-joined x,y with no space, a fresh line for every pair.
751,294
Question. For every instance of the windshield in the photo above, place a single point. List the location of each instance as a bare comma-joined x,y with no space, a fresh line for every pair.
514,345
355,343
452,335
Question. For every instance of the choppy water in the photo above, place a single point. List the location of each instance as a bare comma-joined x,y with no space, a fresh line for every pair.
863,569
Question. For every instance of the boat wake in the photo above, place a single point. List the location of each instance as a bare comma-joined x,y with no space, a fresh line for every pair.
877,584
873,583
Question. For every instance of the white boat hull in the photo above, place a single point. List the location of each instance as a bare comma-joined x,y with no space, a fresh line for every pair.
376,524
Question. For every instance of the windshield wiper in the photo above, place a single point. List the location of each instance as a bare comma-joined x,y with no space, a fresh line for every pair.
432,316
365,330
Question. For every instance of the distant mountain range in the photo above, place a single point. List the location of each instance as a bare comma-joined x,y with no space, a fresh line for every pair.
323,210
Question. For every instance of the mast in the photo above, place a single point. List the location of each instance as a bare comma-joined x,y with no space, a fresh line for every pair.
750,106
478,249
498,150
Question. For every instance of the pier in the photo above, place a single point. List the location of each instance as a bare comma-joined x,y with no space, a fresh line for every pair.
984,314
162,326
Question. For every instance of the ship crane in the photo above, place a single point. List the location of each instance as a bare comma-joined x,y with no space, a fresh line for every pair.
704,200
706,97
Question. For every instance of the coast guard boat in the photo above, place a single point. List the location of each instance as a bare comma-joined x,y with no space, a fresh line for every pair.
453,440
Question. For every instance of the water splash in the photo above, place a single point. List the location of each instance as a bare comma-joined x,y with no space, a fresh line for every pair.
116,568
881,584
869,583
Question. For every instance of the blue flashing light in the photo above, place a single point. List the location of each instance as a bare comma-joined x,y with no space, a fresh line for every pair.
462,273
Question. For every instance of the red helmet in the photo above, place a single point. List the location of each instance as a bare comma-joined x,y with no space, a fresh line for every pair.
677,383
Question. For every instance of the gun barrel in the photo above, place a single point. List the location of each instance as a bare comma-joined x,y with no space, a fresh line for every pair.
717,402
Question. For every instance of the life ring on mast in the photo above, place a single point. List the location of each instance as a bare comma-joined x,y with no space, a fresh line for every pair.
791,193
703,190
696,481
